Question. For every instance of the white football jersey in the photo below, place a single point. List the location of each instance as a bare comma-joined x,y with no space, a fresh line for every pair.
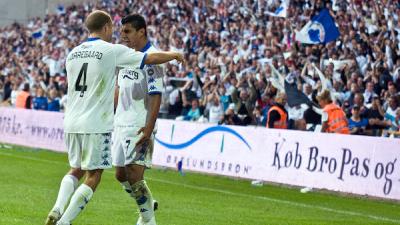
135,87
91,81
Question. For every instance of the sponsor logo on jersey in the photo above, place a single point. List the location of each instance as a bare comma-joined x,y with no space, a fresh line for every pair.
130,74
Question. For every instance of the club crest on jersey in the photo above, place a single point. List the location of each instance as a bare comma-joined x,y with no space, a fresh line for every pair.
150,71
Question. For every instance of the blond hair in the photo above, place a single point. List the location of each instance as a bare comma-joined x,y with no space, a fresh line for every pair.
96,20
325,96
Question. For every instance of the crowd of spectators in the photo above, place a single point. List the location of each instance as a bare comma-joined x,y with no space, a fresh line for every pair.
232,50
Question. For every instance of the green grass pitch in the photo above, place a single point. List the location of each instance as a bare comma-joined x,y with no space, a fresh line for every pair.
29,182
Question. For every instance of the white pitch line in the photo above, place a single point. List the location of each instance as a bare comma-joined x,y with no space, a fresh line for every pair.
287,202
322,208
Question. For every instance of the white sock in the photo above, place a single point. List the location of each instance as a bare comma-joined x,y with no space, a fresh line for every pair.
67,188
78,202
144,200
127,187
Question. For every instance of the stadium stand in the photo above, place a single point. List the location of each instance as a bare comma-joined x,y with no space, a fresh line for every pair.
230,47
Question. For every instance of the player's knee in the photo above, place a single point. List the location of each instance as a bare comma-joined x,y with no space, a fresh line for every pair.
120,178
120,175
93,178
94,175
135,173
135,179
76,172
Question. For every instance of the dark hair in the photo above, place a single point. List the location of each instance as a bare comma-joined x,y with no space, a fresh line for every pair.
395,99
137,21
97,20
26,87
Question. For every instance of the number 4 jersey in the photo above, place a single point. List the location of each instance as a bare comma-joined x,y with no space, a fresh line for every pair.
91,77
135,87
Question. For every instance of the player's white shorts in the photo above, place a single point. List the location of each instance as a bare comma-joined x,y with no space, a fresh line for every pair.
89,151
124,151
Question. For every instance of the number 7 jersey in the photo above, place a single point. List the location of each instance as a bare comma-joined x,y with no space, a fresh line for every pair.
91,78
135,88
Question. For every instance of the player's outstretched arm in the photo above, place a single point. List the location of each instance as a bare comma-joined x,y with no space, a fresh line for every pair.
127,57
163,57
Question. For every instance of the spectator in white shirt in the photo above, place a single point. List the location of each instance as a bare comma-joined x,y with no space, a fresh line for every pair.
369,93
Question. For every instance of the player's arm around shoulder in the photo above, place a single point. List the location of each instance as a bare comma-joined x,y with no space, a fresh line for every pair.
163,57
125,56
